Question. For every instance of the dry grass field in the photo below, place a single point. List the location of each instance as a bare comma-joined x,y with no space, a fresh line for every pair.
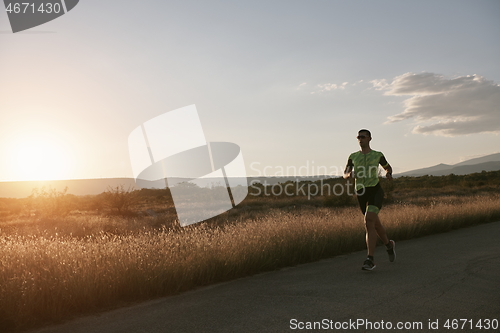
61,256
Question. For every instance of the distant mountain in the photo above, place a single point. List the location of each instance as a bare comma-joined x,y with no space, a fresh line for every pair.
466,169
479,160
486,163
23,189
284,179
427,171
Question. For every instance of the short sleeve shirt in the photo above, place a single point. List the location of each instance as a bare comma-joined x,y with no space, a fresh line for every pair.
366,167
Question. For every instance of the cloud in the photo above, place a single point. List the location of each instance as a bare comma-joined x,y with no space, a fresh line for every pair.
331,86
380,84
324,87
463,105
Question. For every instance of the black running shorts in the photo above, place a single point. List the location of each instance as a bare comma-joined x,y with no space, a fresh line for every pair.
370,198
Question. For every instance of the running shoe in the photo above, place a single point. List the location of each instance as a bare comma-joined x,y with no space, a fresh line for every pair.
368,265
392,251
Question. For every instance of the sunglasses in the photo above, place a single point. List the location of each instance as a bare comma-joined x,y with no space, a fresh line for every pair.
361,137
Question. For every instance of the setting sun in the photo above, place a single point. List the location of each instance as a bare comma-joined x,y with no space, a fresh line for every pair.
41,159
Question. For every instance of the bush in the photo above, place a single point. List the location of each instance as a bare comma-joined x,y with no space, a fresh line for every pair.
119,198
50,203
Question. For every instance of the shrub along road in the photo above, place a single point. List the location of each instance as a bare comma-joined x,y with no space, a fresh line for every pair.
446,276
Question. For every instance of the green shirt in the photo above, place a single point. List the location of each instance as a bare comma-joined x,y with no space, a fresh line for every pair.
366,167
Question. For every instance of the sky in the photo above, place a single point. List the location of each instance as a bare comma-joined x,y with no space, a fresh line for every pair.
291,82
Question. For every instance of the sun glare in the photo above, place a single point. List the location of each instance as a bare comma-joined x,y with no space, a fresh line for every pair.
41,159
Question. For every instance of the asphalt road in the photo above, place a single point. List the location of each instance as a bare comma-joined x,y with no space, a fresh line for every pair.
454,275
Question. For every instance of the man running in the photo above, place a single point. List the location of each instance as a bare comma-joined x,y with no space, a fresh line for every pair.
363,166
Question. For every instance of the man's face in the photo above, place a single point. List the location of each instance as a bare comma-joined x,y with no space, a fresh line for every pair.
363,138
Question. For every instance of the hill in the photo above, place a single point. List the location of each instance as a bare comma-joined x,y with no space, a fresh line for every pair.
22,189
485,163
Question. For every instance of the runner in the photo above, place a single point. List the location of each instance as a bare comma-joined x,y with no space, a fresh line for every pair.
363,166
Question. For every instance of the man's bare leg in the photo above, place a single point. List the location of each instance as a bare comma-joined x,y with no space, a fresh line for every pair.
371,232
381,231
374,228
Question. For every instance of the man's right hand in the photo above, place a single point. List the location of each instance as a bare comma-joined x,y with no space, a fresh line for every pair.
348,175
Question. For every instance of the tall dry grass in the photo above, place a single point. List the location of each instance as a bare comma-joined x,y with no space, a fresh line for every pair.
50,274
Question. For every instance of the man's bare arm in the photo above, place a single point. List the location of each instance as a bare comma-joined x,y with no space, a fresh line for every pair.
348,171
388,169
